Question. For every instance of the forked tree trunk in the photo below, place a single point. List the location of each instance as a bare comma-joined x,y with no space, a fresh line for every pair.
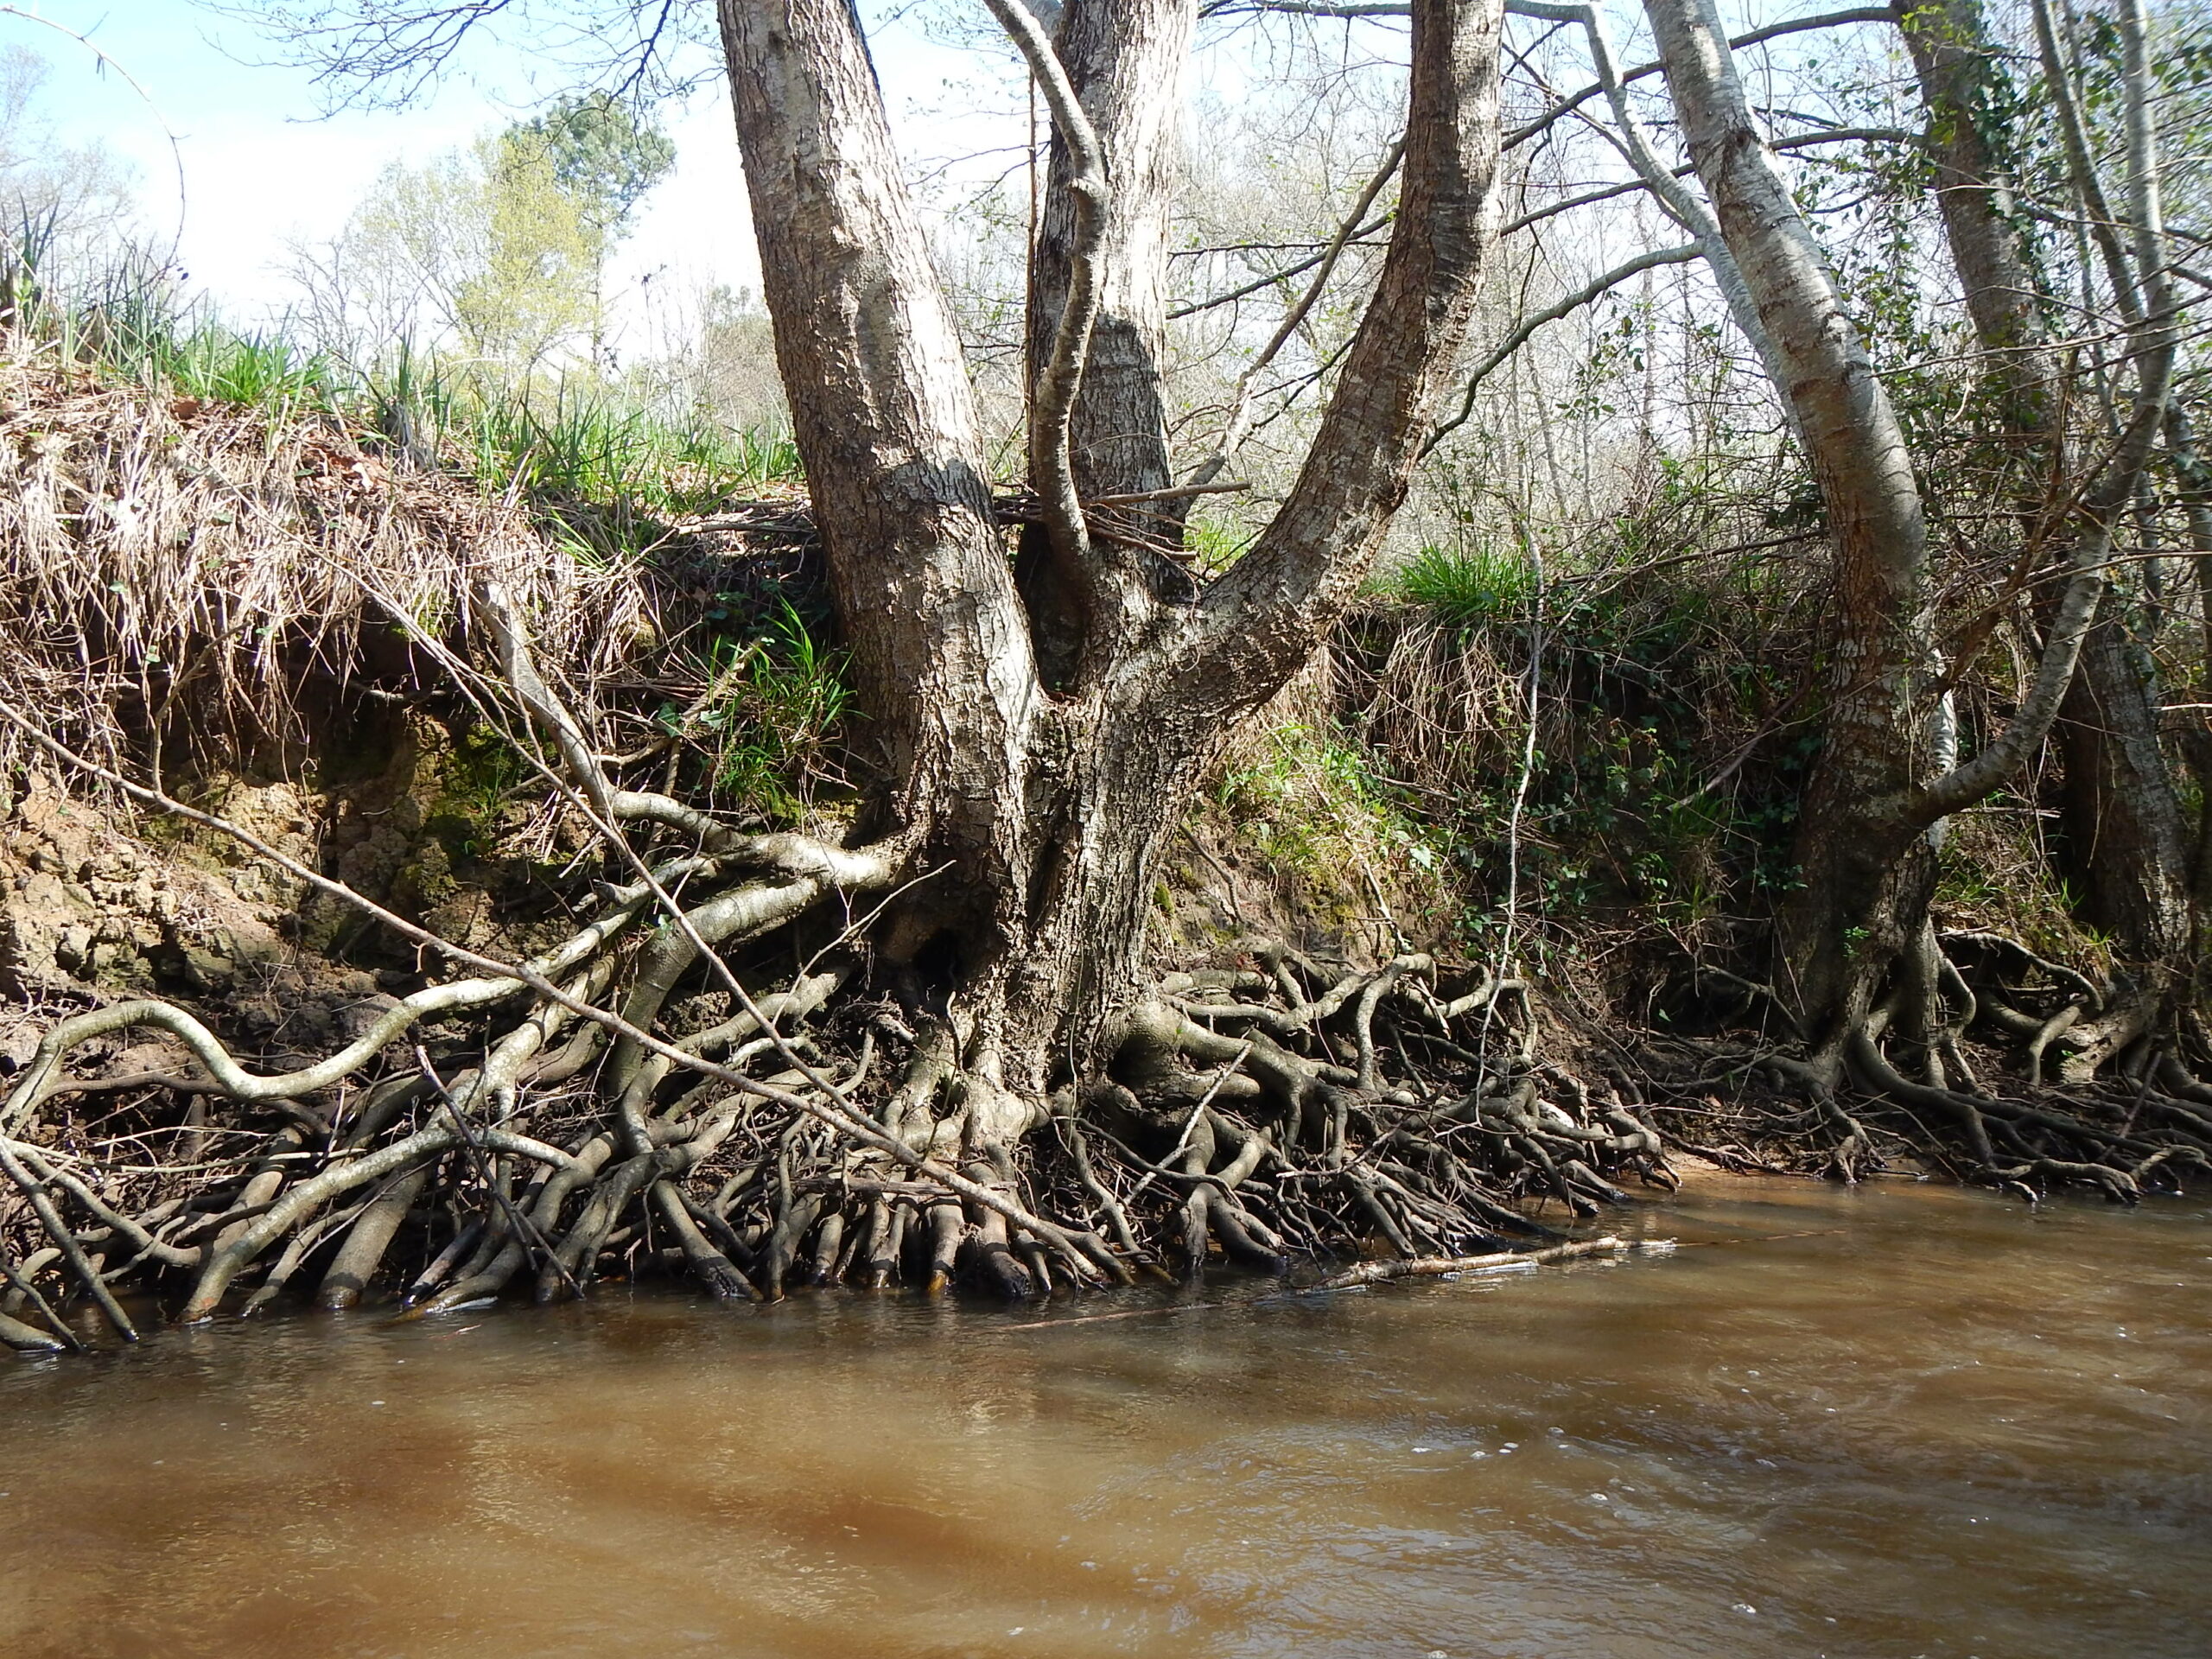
2124,838
1034,811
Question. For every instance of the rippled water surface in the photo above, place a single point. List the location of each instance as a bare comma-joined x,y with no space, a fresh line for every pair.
1931,1422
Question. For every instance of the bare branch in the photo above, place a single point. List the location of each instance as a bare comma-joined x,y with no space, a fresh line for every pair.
1052,410
1683,204
1273,277
1239,404
1581,297
391,53
1629,187
1644,71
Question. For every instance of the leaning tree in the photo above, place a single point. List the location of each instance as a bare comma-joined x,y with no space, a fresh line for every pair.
2127,842
1858,958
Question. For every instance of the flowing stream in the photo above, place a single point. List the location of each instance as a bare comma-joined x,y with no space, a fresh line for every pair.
1902,1421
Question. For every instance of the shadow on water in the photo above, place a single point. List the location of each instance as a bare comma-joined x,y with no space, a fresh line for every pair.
1925,1422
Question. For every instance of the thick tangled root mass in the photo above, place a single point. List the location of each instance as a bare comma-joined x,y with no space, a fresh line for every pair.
1995,1066
486,1139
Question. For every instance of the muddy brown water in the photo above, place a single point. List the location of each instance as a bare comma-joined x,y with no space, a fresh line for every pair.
1942,1424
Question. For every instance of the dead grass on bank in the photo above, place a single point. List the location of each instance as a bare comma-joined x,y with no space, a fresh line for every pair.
217,571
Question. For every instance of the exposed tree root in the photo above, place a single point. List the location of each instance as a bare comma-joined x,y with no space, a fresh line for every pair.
653,1096
648,1096
2118,1116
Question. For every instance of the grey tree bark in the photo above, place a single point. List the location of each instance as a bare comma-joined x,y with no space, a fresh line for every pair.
1866,871
1034,804
2124,834
1125,60
1885,777
884,418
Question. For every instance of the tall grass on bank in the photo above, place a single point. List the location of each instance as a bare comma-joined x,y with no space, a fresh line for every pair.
605,473
1468,588
607,480
207,535
770,727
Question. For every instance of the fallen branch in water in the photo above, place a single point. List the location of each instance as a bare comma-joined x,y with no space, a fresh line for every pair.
1369,1273
1432,1267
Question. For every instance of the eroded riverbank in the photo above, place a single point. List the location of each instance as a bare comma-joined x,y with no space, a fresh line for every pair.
1922,1421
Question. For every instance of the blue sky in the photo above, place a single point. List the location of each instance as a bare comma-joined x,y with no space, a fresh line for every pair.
262,165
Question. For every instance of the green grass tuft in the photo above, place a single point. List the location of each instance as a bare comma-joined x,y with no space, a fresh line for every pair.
1468,588
772,721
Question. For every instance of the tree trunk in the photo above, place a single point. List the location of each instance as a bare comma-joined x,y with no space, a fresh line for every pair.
1970,136
1033,818
1126,61
2124,838
1884,780
2196,737
886,424
1866,869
